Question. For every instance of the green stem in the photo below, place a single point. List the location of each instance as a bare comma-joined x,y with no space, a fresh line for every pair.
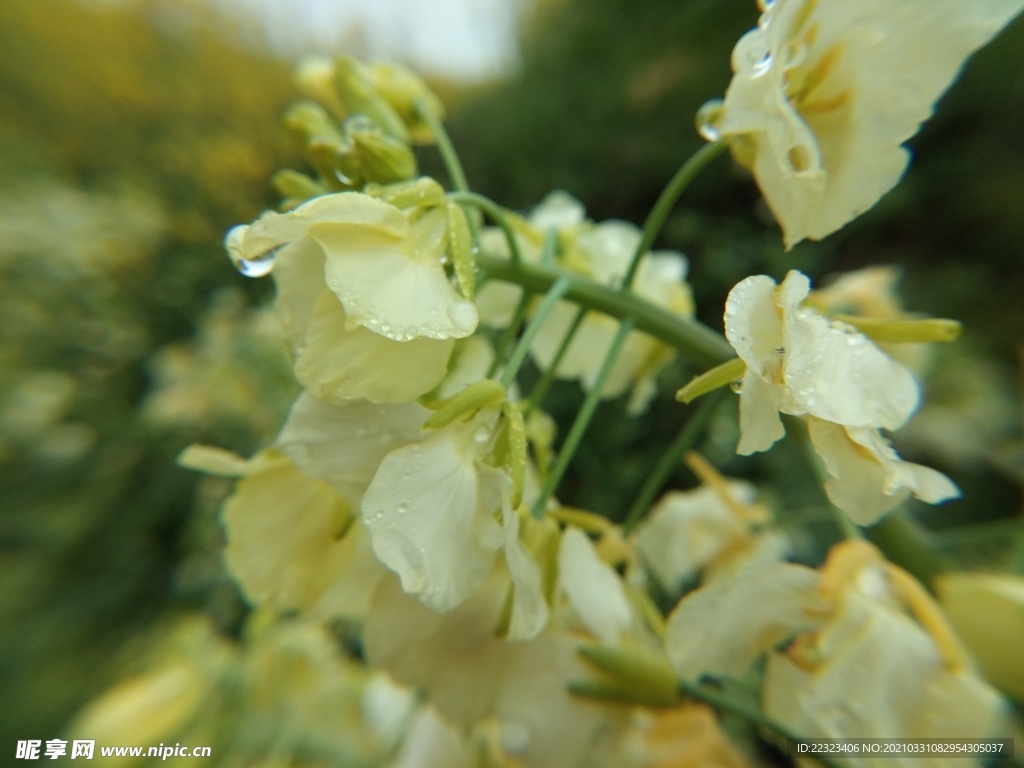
542,386
444,145
523,347
697,342
518,317
667,200
743,710
583,417
655,481
497,215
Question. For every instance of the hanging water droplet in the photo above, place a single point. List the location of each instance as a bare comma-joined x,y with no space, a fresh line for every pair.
709,118
261,266
736,386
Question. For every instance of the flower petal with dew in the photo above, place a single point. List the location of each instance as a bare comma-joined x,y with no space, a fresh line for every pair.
800,363
344,444
430,511
385,265
868,478
826,92
340,363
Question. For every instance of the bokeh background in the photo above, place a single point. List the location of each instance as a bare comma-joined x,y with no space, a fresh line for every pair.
133,134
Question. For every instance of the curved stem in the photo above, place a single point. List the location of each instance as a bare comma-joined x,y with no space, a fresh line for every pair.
687,437
667,200
542,386
444,145
583,417
497,215
518,318
523,347
697,342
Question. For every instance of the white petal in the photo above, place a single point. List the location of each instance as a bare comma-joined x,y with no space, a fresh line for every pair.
684,532
426,513
529,609
721,628
857,477
839,375
594,590
558,210
753,324
925,483
339,364
345,444
285,548
391,280
760,425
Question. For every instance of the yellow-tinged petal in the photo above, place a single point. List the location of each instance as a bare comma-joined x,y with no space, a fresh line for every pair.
825,93
868,478
389,275
430,515
722,627
594,590
345,443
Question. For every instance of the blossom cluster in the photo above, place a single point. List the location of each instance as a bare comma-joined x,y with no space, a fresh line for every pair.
412,491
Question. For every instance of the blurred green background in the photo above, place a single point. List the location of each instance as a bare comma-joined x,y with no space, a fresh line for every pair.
130,143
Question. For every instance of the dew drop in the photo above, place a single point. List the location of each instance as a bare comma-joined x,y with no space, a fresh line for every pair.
709,118
855,339
402,508
482,434
736,386
260,266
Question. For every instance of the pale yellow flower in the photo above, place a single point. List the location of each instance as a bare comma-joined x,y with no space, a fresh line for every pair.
869,654
293,542
362,294
431,510
868,478
801,363
826,92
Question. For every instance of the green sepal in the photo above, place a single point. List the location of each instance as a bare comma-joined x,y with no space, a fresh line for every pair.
719,376
478,395
460,246
423,192
904,330
645,678
516,450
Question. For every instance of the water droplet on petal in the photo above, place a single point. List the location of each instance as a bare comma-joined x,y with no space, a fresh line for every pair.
260,266
709,118
855,339
482,434
402,508
736,386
